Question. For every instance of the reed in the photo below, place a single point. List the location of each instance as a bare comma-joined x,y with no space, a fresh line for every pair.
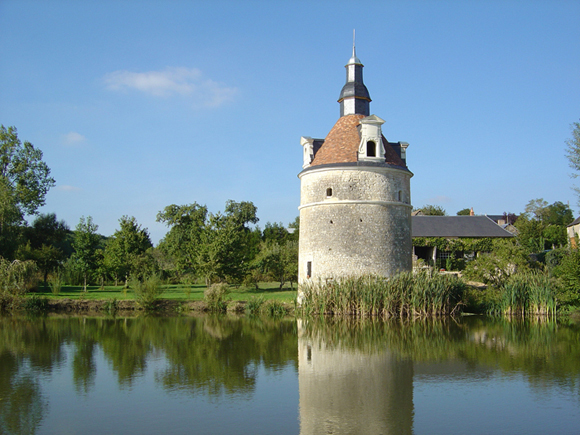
418,295
528,294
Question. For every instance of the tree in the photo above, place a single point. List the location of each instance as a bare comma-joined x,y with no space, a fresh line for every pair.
573,154
464,212
433,210
225,251
45,243
126,251
275,232
535,208
85,243
24,181
181,243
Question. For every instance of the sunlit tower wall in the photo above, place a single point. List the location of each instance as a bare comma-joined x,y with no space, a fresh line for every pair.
355,194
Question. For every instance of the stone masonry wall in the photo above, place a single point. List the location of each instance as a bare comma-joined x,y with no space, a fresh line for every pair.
360,228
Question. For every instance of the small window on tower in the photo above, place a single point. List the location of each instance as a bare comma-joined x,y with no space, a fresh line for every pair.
400,195
371,149
329,191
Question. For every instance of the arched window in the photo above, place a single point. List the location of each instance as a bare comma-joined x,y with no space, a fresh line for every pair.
329,191
371,149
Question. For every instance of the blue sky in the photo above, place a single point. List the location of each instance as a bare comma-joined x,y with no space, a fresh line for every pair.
137,105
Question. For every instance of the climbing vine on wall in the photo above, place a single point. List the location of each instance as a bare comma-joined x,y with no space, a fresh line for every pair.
455,245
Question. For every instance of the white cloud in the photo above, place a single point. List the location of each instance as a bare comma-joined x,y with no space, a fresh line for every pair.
67,188
73,138
184,82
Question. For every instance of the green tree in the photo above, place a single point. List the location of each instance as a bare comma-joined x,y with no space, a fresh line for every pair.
225,252
275,232
24,181
46,243
464,212
186,224
126,252
86,243
573,154
543,225
294,229
433,210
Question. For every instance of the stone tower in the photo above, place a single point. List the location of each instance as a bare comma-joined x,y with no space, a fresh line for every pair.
355,195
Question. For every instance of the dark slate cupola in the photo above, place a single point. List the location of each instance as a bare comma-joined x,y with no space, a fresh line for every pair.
354,98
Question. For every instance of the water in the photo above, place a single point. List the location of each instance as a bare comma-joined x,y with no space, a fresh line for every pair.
229,375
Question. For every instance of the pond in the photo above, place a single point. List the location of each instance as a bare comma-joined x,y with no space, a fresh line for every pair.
241,375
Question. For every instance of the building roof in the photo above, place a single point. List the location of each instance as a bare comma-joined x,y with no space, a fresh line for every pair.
342,142
575,222
456,227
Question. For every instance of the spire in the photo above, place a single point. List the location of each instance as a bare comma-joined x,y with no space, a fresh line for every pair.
354,97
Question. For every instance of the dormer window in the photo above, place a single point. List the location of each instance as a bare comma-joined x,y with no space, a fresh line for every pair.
371,149
329,192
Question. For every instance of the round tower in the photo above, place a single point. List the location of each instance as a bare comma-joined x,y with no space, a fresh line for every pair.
355,195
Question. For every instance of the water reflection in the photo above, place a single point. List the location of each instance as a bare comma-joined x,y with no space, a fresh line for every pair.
309,376
349,387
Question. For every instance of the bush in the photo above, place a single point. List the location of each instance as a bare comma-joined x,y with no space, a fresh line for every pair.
147,291
55,283
16,279
215,297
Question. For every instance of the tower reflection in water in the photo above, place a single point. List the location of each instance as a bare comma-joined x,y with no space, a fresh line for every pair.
349,389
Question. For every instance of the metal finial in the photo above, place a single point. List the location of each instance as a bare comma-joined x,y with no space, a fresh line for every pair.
353,44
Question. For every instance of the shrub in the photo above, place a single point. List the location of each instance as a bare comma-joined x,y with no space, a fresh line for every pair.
215,297
55,283
254,305
147,291
16,279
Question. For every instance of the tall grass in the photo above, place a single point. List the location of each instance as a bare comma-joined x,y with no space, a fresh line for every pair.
423,294
528,294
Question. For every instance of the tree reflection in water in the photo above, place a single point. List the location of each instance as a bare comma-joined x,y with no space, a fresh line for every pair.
354,374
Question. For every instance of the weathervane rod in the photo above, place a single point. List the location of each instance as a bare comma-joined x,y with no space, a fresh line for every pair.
353,45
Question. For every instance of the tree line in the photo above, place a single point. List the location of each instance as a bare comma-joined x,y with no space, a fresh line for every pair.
223,246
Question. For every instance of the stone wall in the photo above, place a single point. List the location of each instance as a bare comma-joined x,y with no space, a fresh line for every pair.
354,222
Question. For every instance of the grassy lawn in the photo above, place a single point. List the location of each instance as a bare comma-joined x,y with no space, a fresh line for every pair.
268,290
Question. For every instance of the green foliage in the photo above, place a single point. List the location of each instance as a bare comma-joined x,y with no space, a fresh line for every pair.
216,246
23,172
406,294
494,268
35,304
464,212
85,243
24,182
16,279
528,294
254,305
568,273
278,262
55,282
456,245
433,210
573,153
126,252
215,296
543,226
182,242
147,291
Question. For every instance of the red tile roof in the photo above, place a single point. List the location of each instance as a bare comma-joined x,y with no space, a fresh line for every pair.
342,142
